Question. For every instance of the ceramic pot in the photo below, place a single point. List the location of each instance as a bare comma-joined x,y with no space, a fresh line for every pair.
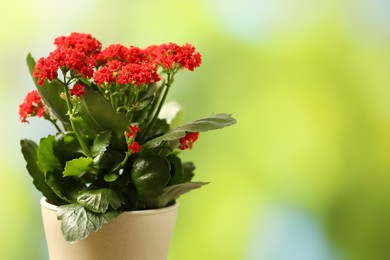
139,235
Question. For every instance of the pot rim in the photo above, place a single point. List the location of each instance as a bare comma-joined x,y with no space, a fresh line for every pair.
173,207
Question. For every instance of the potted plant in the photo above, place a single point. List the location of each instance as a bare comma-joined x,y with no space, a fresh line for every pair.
117,146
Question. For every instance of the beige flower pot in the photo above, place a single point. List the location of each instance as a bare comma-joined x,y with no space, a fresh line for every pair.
139,235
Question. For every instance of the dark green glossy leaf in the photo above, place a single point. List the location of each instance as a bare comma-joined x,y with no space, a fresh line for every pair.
177,173
108,160
66,147
78,222
78,166
99,200
150,174
202,125
67,188
29,150
47,160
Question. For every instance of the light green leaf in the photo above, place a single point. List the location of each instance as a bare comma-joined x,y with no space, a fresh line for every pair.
101,142
78,222
202,125
99,200
77,166
47,161
111,177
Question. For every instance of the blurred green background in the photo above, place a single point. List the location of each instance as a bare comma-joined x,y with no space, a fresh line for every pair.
304,175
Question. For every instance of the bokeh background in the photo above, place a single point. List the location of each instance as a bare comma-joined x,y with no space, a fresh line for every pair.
305,173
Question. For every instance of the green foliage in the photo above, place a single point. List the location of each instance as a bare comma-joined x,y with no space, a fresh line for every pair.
29,150
78,166
47,160
77,222
99,200
201,125
150,174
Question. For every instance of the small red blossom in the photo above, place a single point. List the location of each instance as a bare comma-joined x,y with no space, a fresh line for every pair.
106,74
188,140
134,147
113,52
75,52
77,90
133,130
138,74
167,55
31,106
81,41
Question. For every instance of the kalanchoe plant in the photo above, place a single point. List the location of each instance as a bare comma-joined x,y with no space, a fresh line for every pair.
113,151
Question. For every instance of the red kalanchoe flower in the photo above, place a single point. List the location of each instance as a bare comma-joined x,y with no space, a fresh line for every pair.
106,74
81,41
138,74
31,106
75,52
188,140
134,147
167,55
77,90
133,130
113,52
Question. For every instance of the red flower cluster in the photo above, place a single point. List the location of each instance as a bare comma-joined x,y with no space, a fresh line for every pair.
76,53
77,90
82,55
188,140
166,55
31,106
134,147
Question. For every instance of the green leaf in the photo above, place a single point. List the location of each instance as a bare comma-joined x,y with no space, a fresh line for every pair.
111,177
98,114
150,174
66,188
29,151
177,173
78,222
108,160
77,166
66,147
171,193
188,171
202,125
101,142
50,93
47,160
99,200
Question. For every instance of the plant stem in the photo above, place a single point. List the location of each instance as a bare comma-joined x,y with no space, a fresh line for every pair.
82,143
167,85
55,125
